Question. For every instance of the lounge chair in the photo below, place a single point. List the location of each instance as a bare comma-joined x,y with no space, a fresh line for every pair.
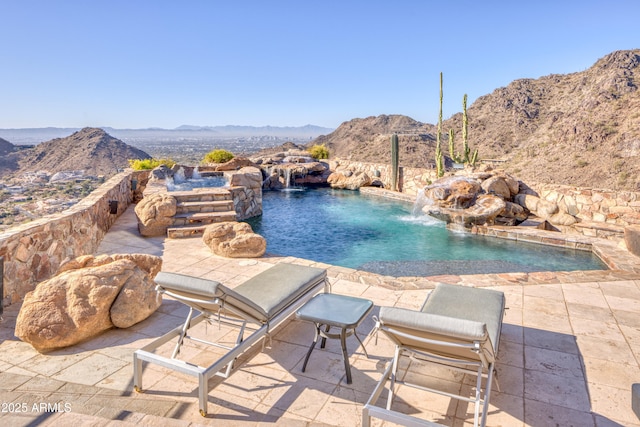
458,327
259,305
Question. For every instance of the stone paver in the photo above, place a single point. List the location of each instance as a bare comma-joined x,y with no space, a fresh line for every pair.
569,353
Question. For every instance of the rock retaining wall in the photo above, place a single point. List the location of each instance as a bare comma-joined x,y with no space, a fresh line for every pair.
34,251
410,181
621,208
246,189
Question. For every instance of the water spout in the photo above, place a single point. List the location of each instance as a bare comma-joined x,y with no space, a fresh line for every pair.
422,200
287,178
196,173
179,176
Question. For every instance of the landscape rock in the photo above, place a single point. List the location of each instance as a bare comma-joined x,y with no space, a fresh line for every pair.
250,177
161,172
562,218
484,211
87,297
453,192
234,240
632,239
272,182
514,210
235,164
155,214
354,181
497,185
540,207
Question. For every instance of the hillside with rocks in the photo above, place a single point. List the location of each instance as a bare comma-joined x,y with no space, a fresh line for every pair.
91,150
578,129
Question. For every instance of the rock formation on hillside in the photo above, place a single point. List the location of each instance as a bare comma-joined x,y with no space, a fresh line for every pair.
6,147
368,140
8,157
578,129
92,150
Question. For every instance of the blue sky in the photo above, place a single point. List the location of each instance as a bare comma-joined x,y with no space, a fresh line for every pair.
138,64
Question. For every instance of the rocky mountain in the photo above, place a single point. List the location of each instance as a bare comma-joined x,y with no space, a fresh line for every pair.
579,129
92,150
8,157
6,147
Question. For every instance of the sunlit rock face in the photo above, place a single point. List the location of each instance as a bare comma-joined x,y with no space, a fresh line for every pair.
88,296
486,198
234,240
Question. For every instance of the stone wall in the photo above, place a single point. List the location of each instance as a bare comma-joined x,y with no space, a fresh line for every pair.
620,208
245,186
33,251
410,181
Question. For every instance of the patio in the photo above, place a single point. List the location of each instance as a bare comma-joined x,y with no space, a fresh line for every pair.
569,353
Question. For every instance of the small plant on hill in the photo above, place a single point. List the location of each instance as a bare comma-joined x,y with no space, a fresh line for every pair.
148,164
319,151
218,156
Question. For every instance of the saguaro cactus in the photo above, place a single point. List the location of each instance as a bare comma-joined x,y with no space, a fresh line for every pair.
469,158
465,130
439,157
394,162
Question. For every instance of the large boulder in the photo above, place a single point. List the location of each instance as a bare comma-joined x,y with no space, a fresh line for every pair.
513,210
88,296
155,214
484,211
235,164
497,186
234,240
542,208
453,192
349,180
632,239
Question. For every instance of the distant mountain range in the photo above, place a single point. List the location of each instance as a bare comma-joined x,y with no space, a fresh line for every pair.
30,136
91,150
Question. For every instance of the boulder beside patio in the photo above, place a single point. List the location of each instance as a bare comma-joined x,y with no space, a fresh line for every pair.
233,239
88,296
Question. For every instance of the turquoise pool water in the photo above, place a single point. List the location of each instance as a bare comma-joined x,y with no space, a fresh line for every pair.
348,229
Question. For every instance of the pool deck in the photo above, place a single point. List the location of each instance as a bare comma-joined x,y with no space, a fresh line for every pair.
569,353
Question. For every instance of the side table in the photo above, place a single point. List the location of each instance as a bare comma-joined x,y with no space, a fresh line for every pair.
333,310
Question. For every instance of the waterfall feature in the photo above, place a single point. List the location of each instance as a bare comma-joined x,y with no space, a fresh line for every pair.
196,173
287,177
422,200
179,176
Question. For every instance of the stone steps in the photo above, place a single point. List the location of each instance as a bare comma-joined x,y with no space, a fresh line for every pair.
198,208
202,195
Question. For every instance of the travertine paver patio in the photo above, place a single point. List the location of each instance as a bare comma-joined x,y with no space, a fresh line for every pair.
569,352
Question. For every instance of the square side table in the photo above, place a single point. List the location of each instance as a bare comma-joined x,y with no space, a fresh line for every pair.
339,311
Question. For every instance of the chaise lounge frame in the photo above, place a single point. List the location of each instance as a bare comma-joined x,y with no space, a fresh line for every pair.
258,306
458,327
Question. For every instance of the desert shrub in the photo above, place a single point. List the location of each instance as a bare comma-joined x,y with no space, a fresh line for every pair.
319,151
218,156
148,164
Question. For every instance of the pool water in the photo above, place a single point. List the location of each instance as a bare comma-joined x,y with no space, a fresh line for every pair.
349,229
178,184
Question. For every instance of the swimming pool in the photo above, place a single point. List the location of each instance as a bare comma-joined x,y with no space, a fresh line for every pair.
350,229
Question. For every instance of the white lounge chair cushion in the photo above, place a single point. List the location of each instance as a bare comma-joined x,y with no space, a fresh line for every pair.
451,314
259,298
464,302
